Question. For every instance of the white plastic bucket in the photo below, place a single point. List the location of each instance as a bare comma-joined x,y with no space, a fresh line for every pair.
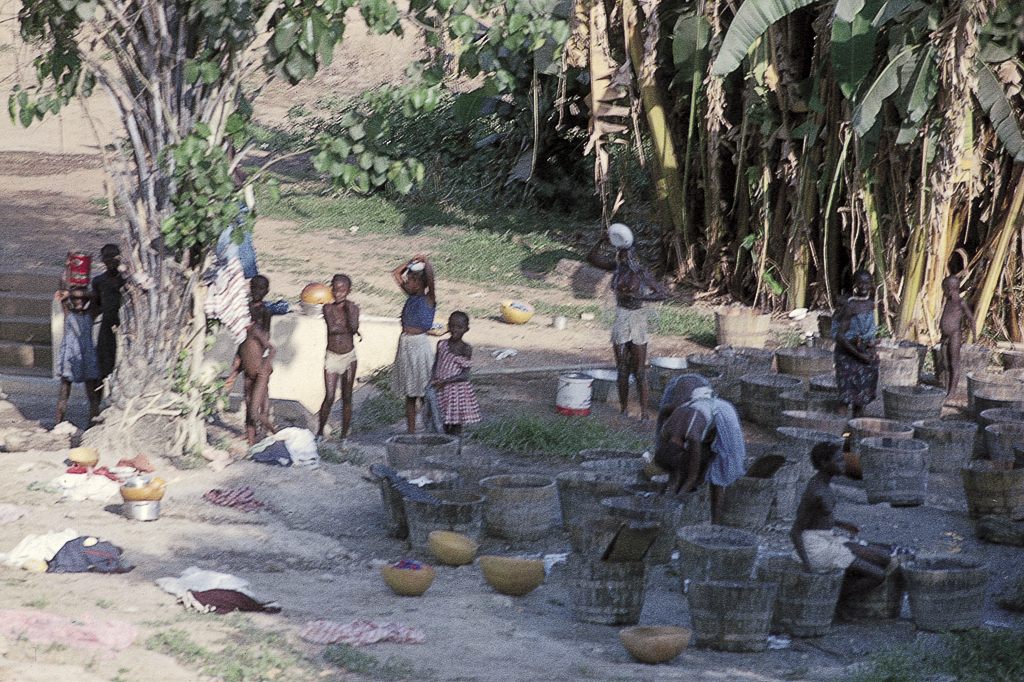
573,397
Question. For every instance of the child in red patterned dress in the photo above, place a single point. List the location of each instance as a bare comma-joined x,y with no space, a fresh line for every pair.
451,377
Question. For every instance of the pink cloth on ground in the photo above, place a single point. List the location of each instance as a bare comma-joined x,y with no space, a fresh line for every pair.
12,512
84,632
360,633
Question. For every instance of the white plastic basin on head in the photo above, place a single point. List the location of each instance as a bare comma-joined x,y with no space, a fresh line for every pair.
620,236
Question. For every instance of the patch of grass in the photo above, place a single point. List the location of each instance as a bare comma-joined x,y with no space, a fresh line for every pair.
971,656
570,311
188,460
361,286
316,207
40,603
104,603
555,436
276,139
178,645
353,660
789,338
497,260
686,321
248,655
382,409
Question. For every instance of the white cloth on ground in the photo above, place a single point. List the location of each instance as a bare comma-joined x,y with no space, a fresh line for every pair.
81,487
729,446
195,579
301,444
38,547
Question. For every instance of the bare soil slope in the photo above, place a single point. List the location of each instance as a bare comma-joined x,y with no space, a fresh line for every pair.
317,546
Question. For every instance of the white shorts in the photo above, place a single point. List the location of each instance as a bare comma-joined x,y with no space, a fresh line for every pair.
338,363
629,325
827,550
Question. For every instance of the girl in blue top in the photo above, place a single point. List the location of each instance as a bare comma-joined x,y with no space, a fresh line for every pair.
414,362
854,329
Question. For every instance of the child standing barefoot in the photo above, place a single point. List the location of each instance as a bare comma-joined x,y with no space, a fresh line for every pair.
342,318
949,324
451,377
415,357
257,355
76,359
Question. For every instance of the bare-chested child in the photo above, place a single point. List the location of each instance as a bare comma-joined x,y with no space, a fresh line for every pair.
259,287
256,354
953,312
632,285
820,547
342,318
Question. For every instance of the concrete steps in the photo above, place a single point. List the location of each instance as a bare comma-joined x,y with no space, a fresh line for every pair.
26,320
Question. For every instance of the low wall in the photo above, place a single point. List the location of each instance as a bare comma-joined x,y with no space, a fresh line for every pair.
300,341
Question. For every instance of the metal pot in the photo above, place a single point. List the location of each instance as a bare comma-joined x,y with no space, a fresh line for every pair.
144,510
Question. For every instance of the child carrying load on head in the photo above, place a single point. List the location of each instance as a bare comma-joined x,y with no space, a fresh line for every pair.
455,395
414,360
76,359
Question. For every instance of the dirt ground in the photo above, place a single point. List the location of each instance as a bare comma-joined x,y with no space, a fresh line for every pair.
318,545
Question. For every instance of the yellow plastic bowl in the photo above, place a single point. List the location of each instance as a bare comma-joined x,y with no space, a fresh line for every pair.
408,582
655,644
154,490
452,549
512,576
516,312
84,456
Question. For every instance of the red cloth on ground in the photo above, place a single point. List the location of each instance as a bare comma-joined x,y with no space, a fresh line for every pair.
240,498
226,601
101,471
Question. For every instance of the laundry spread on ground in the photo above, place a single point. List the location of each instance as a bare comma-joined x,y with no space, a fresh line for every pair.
360,632
291,446
243,499
195,579
98,471
12,512
214,592
83,632
36,548
81,487
84,554
225,601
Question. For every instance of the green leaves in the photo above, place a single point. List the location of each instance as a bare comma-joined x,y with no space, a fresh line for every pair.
752,19
206,200
996,103
853,42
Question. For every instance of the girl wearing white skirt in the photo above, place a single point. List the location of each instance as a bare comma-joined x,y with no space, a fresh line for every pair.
414,362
